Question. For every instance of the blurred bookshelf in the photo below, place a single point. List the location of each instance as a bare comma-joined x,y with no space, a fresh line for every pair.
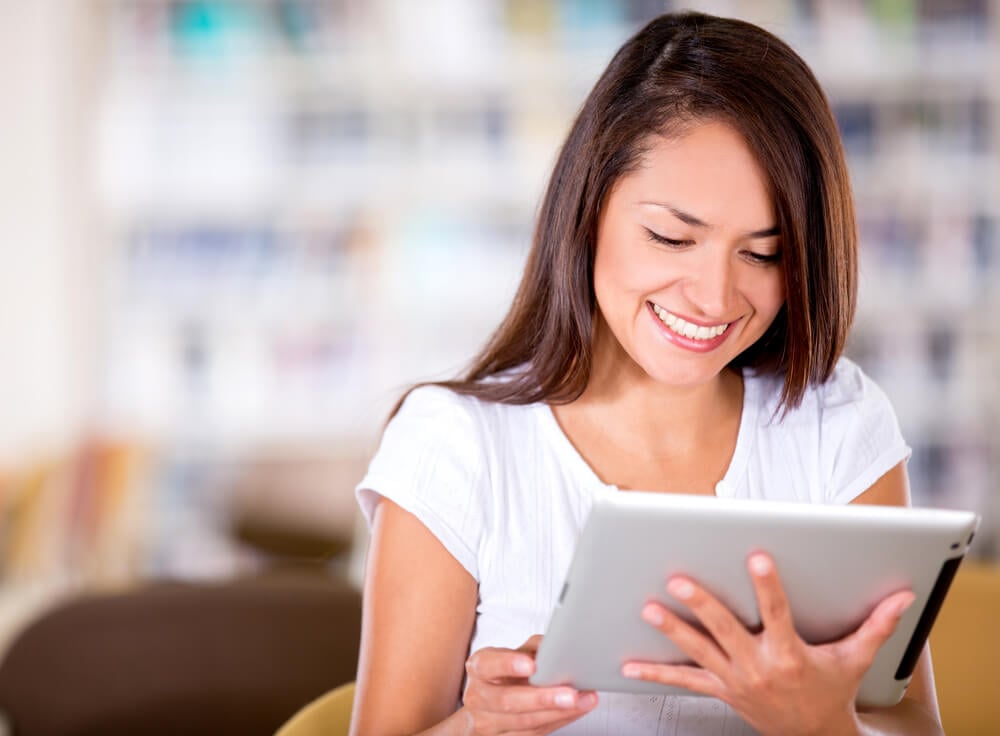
309,204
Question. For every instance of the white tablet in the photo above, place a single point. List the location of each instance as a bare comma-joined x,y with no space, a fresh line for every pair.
836,563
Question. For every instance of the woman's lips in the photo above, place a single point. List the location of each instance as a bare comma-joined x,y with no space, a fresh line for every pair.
686,334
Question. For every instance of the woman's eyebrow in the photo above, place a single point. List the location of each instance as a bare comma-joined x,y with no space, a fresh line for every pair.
689,219
769,232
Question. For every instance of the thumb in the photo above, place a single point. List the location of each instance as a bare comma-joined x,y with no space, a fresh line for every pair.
531,645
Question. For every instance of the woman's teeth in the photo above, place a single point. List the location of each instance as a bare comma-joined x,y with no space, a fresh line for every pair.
682,327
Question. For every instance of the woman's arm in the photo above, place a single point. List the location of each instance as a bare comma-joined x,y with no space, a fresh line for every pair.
917,712
419,611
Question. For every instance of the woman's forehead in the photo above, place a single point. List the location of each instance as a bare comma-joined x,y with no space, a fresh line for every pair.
708,172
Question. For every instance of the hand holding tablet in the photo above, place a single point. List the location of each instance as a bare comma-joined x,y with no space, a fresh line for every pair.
771,671
833,570
499,698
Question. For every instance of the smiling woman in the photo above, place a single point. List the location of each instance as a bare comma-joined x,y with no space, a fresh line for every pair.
686,273
678,329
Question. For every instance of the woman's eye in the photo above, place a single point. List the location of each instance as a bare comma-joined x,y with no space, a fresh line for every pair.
663,240
763,258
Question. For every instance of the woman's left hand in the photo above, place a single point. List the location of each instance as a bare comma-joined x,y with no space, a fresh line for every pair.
773,679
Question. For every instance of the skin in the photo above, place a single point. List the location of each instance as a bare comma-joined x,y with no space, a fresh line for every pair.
656,416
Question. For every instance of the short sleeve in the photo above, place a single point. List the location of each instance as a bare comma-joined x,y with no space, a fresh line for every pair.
430,463
861,439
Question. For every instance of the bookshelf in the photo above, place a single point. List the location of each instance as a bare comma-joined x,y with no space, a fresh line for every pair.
306,205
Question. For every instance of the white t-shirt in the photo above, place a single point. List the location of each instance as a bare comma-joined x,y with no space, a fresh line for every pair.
507,494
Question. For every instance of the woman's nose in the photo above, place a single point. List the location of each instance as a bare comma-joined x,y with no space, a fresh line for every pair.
711,286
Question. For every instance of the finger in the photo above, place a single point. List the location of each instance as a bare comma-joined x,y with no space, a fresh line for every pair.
524,698
531,645
730,635
772,602
696,645
555,725
496,665
541,721
864,643
695,679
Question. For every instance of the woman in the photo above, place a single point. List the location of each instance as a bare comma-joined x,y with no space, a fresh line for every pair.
678,328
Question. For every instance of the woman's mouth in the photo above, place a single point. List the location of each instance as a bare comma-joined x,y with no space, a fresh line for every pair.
682,327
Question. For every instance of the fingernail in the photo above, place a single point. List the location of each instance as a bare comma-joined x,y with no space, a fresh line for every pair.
565,700
523,666
630,670
904,604
760,565
680,589
587,700
651,614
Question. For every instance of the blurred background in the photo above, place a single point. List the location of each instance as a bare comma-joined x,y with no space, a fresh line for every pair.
233,231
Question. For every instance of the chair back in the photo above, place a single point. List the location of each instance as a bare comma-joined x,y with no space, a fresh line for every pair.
192,659
328,715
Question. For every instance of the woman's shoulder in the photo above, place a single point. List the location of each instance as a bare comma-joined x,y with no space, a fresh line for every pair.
850,399
848,386
848,390
463,410
433,409
434,398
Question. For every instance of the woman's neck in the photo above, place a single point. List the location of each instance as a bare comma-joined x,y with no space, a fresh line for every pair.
636,433
651,414
619,387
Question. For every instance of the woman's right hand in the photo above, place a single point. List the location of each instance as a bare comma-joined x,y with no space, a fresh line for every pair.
500,700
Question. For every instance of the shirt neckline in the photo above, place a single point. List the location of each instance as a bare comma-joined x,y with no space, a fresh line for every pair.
725,488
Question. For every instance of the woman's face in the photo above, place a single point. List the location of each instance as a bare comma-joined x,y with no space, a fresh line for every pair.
688,271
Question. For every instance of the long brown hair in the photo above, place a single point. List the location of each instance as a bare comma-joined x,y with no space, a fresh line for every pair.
677,70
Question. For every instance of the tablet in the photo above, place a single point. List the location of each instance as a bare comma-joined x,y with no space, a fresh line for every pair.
836,563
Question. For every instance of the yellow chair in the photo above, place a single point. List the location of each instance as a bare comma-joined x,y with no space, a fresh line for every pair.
328,715
965,644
